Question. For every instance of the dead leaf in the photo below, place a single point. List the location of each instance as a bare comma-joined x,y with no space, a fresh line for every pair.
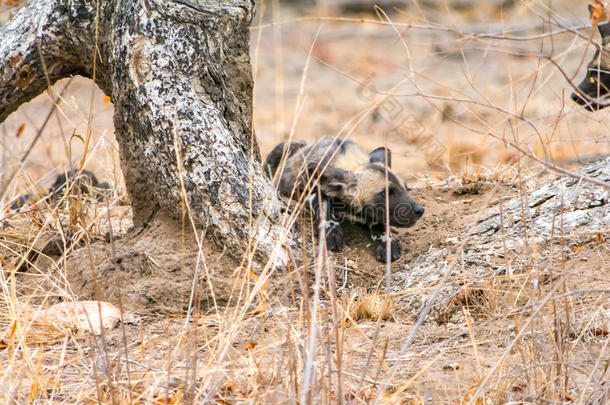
598,11
599,331
599,238
372,306
20,130
578,248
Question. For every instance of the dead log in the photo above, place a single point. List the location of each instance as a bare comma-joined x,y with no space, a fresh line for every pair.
531,231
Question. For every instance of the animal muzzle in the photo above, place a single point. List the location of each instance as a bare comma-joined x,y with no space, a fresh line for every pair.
580,98
577,98
406,215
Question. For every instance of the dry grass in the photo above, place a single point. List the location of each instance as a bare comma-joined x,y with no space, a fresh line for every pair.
448,104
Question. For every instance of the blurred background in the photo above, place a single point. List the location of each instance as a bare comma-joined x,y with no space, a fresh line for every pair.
444,83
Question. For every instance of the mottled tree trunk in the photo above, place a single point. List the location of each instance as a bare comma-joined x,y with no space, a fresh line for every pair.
175,70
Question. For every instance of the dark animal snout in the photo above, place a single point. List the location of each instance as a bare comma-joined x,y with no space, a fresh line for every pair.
577,98
418,210
406,213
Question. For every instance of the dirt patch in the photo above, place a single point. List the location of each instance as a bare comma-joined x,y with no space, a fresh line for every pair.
154,268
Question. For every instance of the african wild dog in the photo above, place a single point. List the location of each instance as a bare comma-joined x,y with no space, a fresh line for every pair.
86,180
352,187
593,92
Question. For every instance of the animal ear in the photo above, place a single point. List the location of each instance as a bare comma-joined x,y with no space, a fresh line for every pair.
381,155
337,183
333,182
591,9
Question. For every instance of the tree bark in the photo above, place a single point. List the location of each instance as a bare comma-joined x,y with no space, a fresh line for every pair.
175,70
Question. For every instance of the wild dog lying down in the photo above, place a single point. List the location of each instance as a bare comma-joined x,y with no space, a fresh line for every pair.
87,182
594,91
353,187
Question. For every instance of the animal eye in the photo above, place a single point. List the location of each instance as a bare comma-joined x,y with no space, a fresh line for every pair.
391,191
591,79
